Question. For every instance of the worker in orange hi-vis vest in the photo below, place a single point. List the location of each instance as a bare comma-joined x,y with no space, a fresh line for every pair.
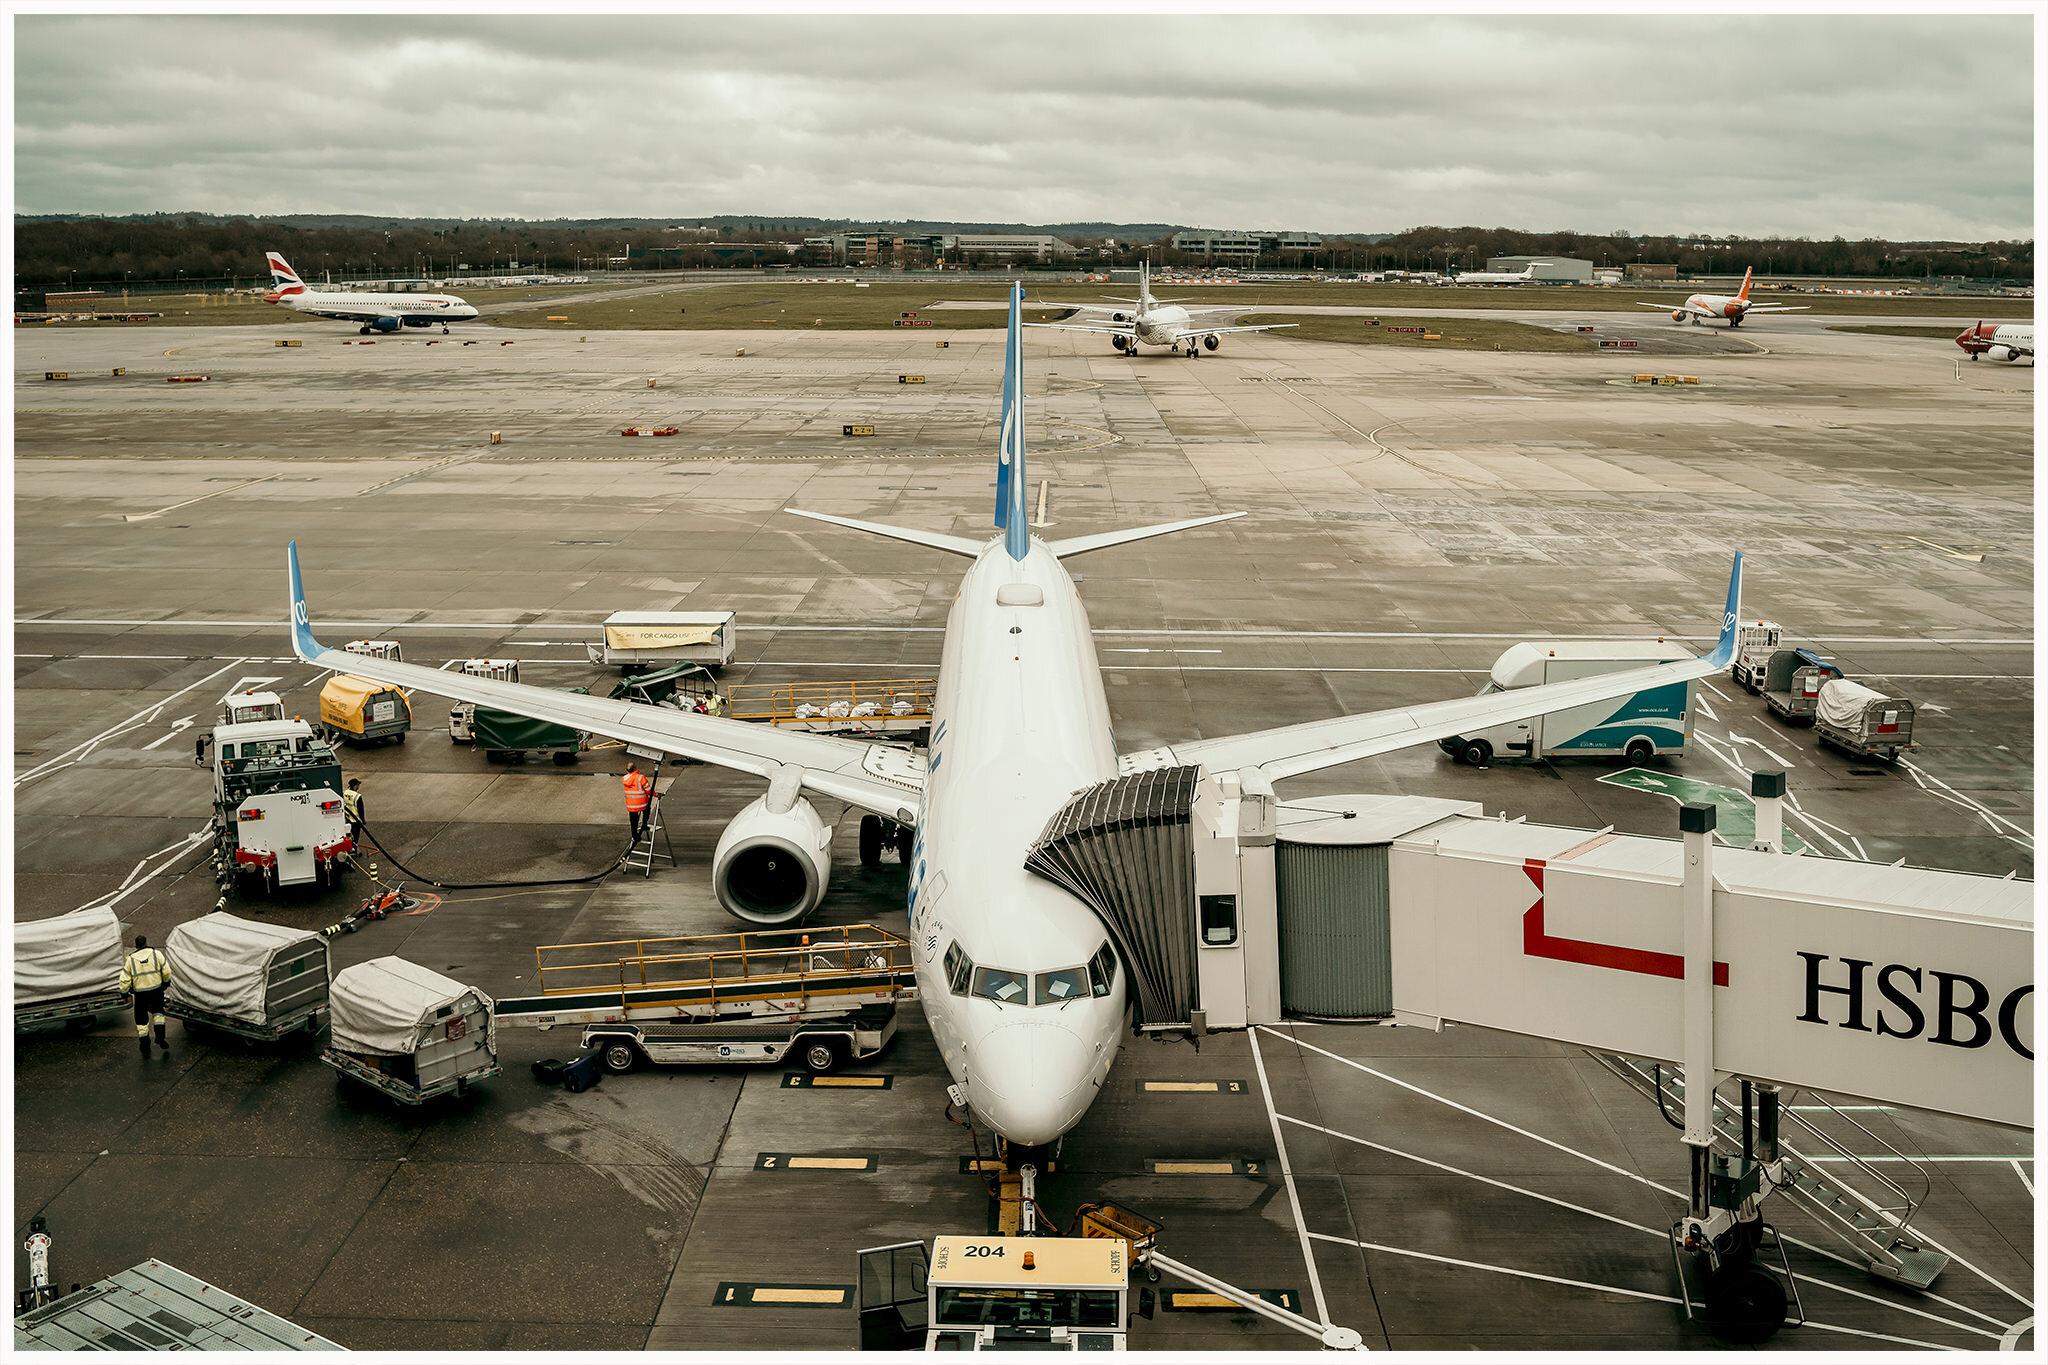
639,793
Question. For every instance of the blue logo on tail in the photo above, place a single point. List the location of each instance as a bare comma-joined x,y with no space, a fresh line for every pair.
303,642
1724,648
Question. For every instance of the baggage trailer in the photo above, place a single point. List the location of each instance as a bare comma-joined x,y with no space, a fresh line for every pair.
1792,683
67,968
409,1033
1638,728
357,710
887,706
636,641
680,686
462,716
1863,721
257,981
819,997
506,738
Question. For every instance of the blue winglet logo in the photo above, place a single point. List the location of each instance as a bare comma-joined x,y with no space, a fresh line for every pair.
1724,648
303,642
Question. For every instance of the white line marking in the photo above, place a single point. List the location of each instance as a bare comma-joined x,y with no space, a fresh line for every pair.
2021,1173
1706,709
142,717
1914,768
178,727
149,516
1308,1254
1879,1336
126,890
2014,1333
1775,758
1497,1269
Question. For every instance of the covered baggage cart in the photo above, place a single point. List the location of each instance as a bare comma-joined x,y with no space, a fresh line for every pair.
1792,683
1862,720
635,641
408,1032
364,711
256,980
67,967
508,738
679,685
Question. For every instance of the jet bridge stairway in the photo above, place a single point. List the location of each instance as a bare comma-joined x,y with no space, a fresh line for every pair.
1877,1230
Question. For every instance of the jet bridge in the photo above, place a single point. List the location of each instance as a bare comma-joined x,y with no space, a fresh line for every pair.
1667,958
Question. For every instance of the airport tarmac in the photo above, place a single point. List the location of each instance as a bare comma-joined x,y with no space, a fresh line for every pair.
1411,516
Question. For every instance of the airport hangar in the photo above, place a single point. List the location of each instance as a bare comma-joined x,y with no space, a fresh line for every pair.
1410,519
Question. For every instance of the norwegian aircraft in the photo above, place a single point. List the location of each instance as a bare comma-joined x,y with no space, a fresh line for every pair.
376,312
1157,322
2008,342
1734,308
1025,990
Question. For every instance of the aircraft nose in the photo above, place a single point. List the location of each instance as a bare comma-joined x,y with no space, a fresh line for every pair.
1029,1081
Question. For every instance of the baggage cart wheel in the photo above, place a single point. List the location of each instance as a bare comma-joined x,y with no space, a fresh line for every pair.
617,1055
821,1055
401,736
564,757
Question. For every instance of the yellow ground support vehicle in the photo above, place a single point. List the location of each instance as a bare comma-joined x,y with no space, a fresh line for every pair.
361,711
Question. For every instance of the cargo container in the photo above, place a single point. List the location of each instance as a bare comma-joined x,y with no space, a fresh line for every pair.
1637,727
360,711
67,968
409,1033
1792,683
259,981
506,738
1862,720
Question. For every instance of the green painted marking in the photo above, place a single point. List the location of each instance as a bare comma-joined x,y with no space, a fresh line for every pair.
1735,818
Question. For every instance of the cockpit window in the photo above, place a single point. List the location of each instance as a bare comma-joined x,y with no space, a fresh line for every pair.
1068,983
1102,969
958,969
994,983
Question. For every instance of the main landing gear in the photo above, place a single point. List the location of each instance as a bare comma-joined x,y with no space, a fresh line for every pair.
877,834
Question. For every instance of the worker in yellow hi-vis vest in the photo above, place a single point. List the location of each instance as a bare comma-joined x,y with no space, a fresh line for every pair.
144,974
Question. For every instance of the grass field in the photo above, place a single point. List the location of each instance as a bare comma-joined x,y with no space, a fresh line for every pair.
1941,333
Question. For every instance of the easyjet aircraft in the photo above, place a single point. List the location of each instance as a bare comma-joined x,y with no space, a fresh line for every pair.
1735,308
1025,988
376,312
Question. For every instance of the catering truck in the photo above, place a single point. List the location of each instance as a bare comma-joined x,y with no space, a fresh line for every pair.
277,817
1638,727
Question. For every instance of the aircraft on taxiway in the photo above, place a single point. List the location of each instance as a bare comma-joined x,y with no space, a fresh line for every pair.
375,312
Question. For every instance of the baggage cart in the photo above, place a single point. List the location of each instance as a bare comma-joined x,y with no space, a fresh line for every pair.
680,686
362,711
1792,683
67,968
409,1033
1863,721
257,981
507,738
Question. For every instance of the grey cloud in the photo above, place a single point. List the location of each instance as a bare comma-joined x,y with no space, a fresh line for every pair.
1859,125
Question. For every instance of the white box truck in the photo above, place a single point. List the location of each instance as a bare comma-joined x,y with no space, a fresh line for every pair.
636,641
1637,727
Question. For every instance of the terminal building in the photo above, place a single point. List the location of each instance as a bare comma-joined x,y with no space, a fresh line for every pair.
1549,269
1243,246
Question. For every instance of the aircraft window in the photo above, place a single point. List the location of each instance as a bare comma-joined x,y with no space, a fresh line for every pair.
994,983
958,969
1068,983
1102,969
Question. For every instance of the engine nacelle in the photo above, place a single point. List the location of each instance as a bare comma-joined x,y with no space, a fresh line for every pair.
1119,317
1213,343
1119,342
1679,315
385,324
772,867
2001,353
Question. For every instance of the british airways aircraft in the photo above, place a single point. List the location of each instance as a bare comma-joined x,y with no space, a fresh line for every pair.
1026,995
376,312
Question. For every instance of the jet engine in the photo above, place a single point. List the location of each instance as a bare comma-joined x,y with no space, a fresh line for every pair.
1119,317
1118,341
774,860
1213,342
386,324
2001,353
1679,315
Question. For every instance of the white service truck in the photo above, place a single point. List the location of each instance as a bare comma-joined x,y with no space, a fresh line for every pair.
1637,727
1755,642
277,817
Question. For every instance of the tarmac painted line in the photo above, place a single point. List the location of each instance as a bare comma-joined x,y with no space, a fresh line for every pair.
2011,1340
1308,1254
146,516
1497,1269
1918,772
142,717
2021,1172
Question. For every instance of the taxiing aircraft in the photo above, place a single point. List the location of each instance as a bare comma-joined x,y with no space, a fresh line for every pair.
1157,322
1494,277
2007,342
1026,991
376,312
1735,308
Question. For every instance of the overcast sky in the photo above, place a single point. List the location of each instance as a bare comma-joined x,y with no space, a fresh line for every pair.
1904,128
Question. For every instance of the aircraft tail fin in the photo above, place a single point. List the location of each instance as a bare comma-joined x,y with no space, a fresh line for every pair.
1724,648
283,279
1744,295
1012,519
303,643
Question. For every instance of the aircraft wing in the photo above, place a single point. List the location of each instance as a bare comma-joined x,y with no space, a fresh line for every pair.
1669,307
873,777
1778,307
1219,331
1294,749
1122,329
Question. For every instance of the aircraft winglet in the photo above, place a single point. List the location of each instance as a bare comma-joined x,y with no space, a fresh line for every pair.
1724,648
303,643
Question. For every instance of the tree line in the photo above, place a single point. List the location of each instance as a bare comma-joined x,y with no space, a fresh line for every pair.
152,253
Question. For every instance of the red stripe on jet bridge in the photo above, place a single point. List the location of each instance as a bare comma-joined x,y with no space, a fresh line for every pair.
1536,943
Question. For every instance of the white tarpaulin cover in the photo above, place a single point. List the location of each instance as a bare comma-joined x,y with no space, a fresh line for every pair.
66,955
1842,702
388,1006
659,637
222,964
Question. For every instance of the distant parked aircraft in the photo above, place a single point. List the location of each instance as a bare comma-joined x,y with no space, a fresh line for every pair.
1700,307
376,312
1156,322
2009,342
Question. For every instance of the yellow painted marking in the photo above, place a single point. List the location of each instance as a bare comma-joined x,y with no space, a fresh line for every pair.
798,1296
1194,1168
828,1163
1974,559
869,1082
1180,1085
1186,1299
